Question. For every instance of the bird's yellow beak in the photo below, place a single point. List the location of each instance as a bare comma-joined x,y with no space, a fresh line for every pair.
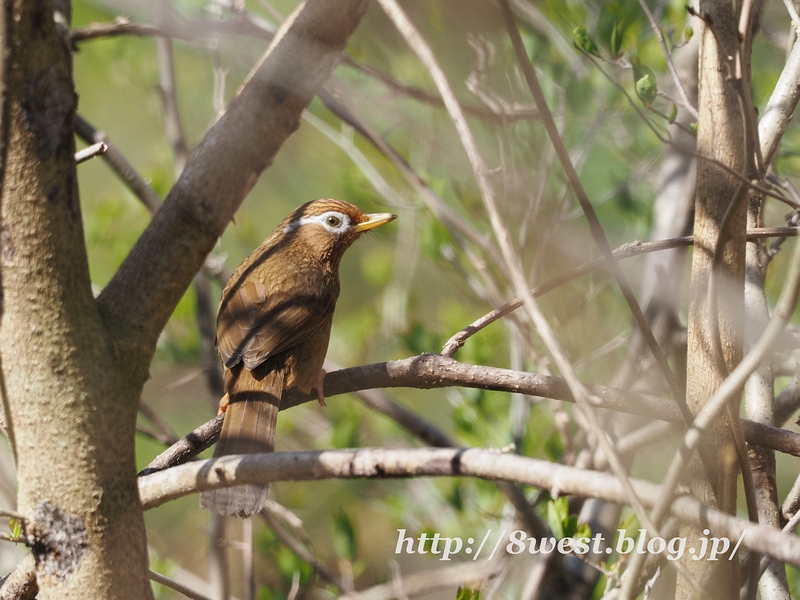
375,220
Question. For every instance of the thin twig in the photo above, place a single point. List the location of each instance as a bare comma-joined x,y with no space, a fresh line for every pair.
118,163
453,222
685,102
169,100
120,26
598,234
248,24
183,29
424,582
302,552
12,514
628,250
497,114
214,265
154,435
90,152
165,430
188,446
178,587
678,147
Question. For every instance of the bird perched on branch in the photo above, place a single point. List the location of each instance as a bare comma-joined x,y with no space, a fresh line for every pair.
273,326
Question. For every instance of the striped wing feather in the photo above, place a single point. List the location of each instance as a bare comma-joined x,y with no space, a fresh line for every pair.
253,325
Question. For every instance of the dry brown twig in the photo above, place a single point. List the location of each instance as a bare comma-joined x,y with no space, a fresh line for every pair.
685,102
178,587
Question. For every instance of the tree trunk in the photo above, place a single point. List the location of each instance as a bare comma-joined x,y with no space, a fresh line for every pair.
71,414
716,311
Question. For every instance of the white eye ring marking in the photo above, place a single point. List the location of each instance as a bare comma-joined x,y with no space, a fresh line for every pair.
332,220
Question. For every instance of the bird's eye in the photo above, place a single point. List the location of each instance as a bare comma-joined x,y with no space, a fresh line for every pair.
333,221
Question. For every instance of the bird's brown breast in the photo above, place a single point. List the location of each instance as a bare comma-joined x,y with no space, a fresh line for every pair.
278,310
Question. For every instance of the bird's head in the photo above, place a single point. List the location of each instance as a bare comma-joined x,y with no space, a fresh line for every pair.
326,228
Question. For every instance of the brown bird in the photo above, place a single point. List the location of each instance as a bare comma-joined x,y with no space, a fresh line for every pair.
273,326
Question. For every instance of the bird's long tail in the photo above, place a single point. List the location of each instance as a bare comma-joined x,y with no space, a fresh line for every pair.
248,428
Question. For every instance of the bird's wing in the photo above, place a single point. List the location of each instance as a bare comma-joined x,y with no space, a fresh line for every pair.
253,325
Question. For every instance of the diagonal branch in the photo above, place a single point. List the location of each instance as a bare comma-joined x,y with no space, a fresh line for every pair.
430,371
138,301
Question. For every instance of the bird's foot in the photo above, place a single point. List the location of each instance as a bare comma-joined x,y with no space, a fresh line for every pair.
223,404
319,388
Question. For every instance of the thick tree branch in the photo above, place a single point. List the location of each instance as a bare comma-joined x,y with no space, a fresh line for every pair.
138,301
21,584
378,463
778,113
429,371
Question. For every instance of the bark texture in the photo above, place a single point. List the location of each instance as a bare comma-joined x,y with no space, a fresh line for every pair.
716,312
70,412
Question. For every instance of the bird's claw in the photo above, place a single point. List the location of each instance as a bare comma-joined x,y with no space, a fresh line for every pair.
223,404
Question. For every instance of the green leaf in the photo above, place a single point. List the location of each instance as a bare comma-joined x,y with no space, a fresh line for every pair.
558,516
617,35
673,114
456,497
688,34
693,127
584,41
467,593
344,536
571,526
644,82
583,531
15,527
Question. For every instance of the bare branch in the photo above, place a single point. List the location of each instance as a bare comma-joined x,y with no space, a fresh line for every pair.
164,429
734,382
119,164
378,463
87,153
187,447
178,587
685,102
300,550
505,114
415,584
628,250
247,24
183,29
781,106
429,371
120,26
21,584
169,100
455,223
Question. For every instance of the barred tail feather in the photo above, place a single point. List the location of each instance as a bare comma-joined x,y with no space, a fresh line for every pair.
248,428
